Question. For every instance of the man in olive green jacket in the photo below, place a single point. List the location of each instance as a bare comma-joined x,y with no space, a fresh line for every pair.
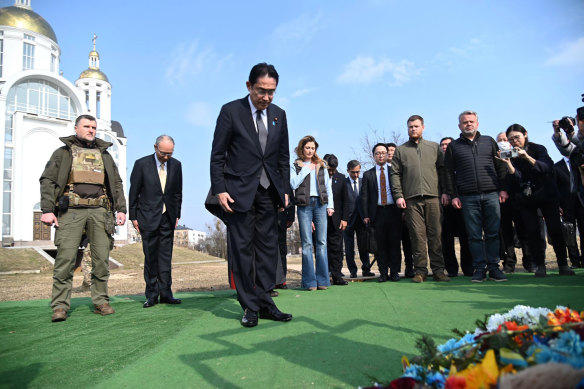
82,185
416,168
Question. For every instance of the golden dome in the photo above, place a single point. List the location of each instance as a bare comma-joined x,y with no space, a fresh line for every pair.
27,19
94,73
94,53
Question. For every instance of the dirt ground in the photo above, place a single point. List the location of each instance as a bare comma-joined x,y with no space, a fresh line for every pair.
185,278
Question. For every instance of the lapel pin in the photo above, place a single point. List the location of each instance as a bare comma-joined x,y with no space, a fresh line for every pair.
275,121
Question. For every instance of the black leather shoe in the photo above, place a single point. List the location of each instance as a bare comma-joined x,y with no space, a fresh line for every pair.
368,274
171,300
150,303
250,318
353,275
382,279
340,282
274,293
394,277
409,273
274,314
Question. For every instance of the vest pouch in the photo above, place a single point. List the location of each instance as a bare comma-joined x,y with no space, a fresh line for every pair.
109,223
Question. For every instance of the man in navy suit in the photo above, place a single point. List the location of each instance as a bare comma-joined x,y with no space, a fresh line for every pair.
155,206
336,223
572,209
250,176
355,223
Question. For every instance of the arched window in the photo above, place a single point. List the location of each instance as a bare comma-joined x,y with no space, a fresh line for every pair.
114,149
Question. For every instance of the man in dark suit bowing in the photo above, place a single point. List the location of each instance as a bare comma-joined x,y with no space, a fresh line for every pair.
250,175
379,209
336,223
355,223
155,205
571,208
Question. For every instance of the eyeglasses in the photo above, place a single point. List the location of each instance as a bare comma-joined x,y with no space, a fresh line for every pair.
516,137
263,92
380,153
163,154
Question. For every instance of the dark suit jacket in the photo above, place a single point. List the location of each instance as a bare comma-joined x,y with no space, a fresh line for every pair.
146,196
369,193
354,200
237,158
562,178
340,198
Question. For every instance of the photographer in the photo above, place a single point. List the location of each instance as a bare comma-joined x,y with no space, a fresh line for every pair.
533,188
571,144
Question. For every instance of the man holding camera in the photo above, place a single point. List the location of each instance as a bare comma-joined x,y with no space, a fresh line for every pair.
571,145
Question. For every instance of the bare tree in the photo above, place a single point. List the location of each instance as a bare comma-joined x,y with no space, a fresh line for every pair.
216,241
293,240
371,138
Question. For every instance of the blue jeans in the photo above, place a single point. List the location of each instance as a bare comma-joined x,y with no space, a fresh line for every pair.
482,213
314,212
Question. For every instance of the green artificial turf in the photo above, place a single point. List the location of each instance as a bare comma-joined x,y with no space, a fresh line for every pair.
339,338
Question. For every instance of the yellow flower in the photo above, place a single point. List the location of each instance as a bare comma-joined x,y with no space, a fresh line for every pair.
483,375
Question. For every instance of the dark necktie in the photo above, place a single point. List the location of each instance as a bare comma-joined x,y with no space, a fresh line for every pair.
355,187
263,135
382,186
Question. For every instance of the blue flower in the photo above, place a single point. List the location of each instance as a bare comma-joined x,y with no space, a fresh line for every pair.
569,343
436,379
414,371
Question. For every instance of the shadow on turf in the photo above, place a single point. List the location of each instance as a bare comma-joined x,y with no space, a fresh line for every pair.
321,348
22,376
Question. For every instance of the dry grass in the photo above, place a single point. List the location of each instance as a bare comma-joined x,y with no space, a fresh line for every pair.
22,259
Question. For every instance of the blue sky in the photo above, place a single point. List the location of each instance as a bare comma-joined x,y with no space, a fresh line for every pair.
348,69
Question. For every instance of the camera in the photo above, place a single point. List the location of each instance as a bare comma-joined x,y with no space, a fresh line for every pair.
508,154
506,150
567,123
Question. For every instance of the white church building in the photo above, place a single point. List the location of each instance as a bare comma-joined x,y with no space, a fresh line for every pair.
37,106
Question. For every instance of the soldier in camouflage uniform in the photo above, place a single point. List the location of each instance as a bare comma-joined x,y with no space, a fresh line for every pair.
82,184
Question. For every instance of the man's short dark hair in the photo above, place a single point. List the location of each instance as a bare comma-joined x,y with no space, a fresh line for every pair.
331,160
377,145
416,117
391,144
261,70
81,117
353,164
446,137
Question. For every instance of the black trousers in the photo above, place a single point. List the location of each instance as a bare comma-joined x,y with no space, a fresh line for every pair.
358,229
254,243
407,248
575,215
388,228
334,245
157,246
452,226
282,267
551,215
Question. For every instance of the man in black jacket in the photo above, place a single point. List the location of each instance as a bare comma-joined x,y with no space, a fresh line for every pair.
380,210
336,223
475,181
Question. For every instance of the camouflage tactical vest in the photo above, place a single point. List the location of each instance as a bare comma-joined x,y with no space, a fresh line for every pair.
87,166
